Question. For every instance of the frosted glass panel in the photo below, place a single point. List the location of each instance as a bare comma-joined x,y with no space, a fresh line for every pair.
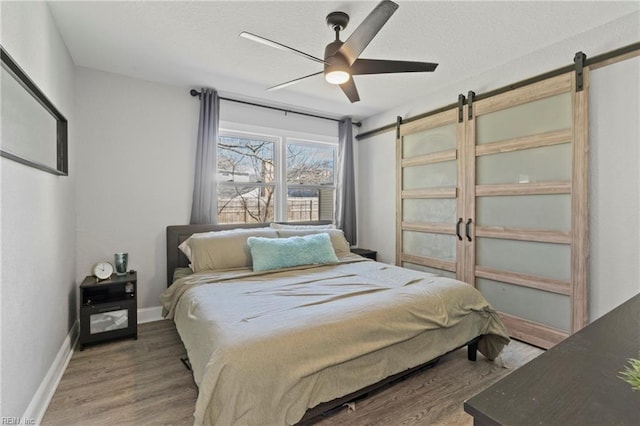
440,246
434,175
543,115
525,166
429,141
525,211
435,210
535,305
440,272
540,259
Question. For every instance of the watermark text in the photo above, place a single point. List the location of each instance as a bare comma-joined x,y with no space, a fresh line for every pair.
16,421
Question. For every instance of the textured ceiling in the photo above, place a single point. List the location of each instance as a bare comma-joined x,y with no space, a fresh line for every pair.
195,44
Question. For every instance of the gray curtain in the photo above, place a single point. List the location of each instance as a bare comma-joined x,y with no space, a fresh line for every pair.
204,208
346,189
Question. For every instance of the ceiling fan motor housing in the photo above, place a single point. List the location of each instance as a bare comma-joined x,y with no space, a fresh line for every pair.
334,60
337,21
332,50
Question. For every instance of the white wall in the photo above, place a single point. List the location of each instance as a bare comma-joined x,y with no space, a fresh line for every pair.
38,285
614,187
376,159
136,158
375,193
135,161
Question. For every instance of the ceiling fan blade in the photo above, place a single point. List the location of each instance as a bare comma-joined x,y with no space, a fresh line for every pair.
290,82
381,66
367,30
280,46
349,89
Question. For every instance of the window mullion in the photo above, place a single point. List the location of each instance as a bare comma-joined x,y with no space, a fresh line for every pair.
281,180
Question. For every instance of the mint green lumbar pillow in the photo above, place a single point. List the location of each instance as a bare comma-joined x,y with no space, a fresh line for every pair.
276,253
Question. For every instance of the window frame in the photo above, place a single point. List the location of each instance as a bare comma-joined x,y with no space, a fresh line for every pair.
281,138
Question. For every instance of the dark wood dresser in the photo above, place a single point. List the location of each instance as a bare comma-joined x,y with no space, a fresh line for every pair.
108,308
574,383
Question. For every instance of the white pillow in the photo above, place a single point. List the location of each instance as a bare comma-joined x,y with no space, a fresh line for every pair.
294,226
338,241
222,249
184,246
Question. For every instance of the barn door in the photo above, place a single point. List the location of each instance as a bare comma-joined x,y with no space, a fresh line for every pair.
494,193
429,202
530,213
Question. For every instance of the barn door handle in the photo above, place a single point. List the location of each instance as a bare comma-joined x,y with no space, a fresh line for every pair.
458,228
466,229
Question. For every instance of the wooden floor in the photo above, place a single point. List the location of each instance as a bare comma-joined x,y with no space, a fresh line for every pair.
143,382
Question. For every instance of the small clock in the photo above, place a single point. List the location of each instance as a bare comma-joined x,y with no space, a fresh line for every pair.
103,270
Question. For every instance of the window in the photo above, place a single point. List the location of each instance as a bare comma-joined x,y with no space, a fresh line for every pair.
264,178
310,181
246,179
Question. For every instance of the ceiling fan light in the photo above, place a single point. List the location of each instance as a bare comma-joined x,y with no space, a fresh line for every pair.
337,77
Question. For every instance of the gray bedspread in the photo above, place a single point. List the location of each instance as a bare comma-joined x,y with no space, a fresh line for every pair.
265,347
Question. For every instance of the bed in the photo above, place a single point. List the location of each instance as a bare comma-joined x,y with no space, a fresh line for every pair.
281,346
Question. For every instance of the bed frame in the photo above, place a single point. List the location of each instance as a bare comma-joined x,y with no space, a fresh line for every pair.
176,234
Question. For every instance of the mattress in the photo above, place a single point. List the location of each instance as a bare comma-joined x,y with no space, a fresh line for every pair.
265,347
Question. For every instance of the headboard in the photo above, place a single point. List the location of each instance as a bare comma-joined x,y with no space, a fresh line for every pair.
176,234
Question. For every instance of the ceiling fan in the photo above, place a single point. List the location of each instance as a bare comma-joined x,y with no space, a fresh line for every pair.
341,60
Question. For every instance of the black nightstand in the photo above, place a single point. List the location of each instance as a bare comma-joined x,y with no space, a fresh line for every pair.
369,254
108,309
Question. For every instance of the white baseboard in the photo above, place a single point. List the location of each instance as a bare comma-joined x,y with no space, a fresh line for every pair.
149,314
40,401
